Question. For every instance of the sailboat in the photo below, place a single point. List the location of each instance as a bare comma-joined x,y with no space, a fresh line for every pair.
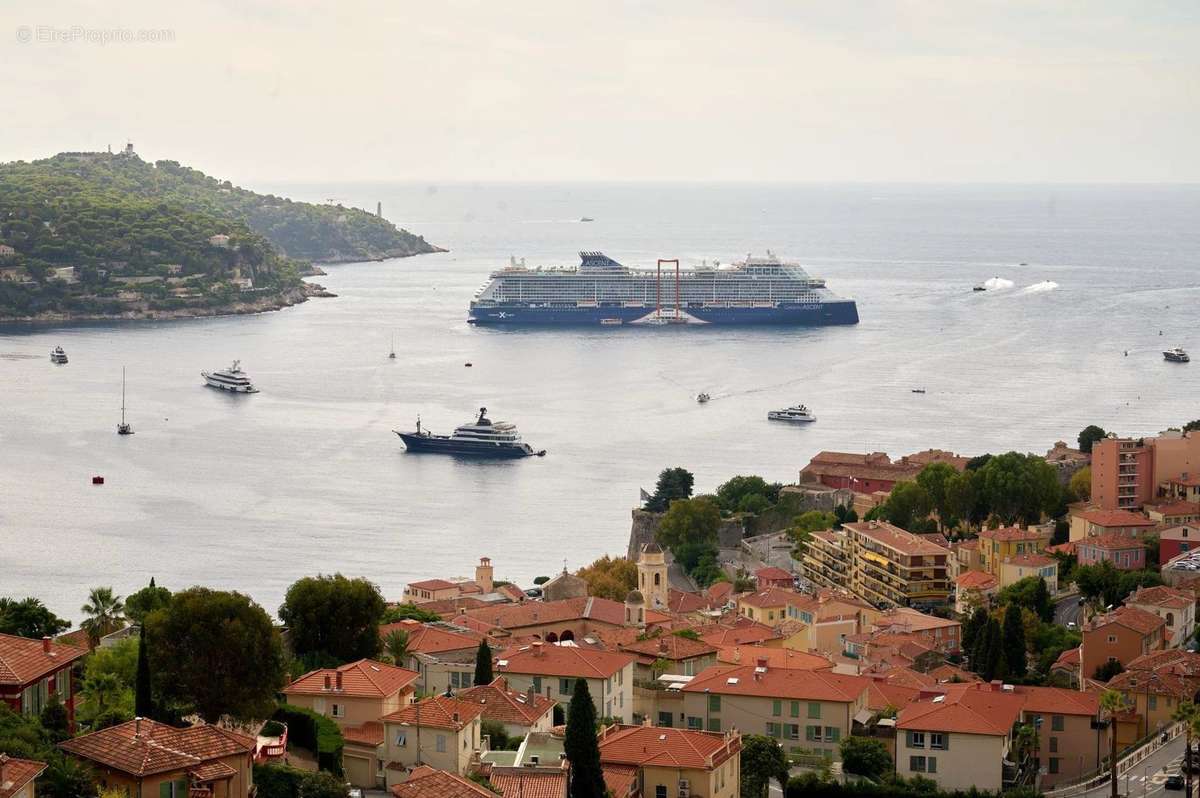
392,354
124,427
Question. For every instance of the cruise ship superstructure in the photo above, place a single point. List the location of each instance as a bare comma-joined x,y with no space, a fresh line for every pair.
601,291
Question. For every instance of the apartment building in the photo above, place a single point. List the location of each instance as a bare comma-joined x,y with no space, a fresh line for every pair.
826,559
893,567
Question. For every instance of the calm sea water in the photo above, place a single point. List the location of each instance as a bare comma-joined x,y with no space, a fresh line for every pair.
251,493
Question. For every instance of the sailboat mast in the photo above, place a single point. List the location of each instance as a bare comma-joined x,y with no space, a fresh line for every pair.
122,394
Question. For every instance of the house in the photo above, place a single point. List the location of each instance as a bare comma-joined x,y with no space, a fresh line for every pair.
775,657
826,560
33,670
1023,566
1122,474
551,670
681,656
959,736
809,709
439,731
874,472
769,606
356,697
145,757
1154,685
1121,636
219,240
1125,553
427,782
7,252
739,632
944,634
441,589
552,620
1174,513
1177,540
1184,488
676,762
1071,742
1175,606
1066,667
17,776
892,567
974,589
997,545
1092,522
442,653
519,713
772,576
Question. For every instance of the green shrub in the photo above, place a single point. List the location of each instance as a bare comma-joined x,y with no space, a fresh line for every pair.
315,732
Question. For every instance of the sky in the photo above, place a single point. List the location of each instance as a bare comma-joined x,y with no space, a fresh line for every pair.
743,90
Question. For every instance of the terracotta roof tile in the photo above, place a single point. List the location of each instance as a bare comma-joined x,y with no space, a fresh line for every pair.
671,647
369,733
1012,533
428,639
722,635
949,673
774,597
668,748
775,657
881,695
1059,701
1110,542
790,683
507,706
976,580
145,747
773,572
425,782
910,620
1175,509
216,770
896,538
24,660
569,661
534,613
1115,518
1138,620
432,584
964,708
439,712
362,679
529,783
1069,659
1031,560
619,779
1162,596
16,773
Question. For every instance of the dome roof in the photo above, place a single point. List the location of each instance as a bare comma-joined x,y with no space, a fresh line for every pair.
635,597
651,548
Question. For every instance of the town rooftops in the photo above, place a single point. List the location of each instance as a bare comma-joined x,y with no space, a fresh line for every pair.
435,584
657,746
16,773
144,747
24,660
433,638
1162,596
362,679
772,572
911,620
976,580
425,782
1133,618
736,634
439,712
790,683
774,597
897,539
877,465
1115,518
989,709
1058,701
535,613
529,782
670,647
1111,542
881,695
775,657
541,659
1164,681
503,705
1175,509
1007,534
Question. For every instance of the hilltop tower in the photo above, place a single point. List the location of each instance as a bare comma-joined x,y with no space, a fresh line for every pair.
652,576
635,610
483,575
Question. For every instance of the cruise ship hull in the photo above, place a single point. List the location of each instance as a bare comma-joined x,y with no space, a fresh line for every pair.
780,314
439,444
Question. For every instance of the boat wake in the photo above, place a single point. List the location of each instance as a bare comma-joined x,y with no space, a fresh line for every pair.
1040,288
997,284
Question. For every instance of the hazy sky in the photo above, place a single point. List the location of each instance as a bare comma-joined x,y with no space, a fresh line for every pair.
810,90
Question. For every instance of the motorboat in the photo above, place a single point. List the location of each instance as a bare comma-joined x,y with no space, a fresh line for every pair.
702,398
57,355
1176,355
232,379
795,413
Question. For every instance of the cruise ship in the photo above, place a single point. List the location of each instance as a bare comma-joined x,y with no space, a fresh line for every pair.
231,379
603,292
480,438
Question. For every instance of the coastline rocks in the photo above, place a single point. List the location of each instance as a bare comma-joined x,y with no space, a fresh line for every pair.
645,525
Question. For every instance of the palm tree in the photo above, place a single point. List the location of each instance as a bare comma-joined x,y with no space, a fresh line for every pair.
105,614
1188,714
1112,702
396,645
104,689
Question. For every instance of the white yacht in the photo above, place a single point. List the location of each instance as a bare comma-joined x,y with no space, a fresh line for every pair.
232,379
795,413
1176,355
57,355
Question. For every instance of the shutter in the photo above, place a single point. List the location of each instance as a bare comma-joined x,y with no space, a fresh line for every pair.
908,739
945,741
164,790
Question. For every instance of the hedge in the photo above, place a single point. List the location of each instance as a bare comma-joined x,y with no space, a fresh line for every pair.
277,781
809,785
315,732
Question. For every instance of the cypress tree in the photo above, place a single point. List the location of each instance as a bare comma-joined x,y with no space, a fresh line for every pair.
483,664
993,651
581,747
1014,642
143,704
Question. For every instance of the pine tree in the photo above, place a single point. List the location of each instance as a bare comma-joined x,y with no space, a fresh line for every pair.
143,703
1014,642
581,747
483,664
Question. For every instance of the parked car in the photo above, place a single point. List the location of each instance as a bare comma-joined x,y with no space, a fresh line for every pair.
1174,782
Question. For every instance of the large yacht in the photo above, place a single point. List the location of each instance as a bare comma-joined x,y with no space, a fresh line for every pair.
601,291
795,413
481,438
232,379
57,355
1176,355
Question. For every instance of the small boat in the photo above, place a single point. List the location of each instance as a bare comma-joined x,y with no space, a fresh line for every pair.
980,287
702,398
124,428
392,354
795,413
57,355
918,390
232,379
587,219
1176,355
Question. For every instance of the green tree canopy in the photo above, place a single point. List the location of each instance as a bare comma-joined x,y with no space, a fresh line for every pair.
224,657
762,759
334,616
1020,487
1030,593
1088,437
689,521
733,495
409,611
1080,485
145,601
29,618
673,483
907,503
1013,643
104,614
610,577
934,479
865,756
580,746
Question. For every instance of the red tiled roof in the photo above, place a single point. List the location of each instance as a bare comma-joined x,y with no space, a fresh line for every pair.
907,677
534,613
718,593
976,580
145,747
1012,533
1175,509
912,620
1138,620
24,660
432,584
773,572
530,783
425,782
949,673
1031,560
1115,518
881,695
569,661
773,597
775,657
426,639
791,683
16,773
1059,701
438,712
216,770
369,733
722,635
658,746
506,706
1069,659
896,538
965,709
1111,542
1162,596
362,679
619,779
669,646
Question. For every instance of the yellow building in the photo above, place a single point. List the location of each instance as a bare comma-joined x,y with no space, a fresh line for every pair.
893,567
997,545
826,559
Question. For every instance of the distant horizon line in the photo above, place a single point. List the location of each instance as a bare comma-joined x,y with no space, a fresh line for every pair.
739,181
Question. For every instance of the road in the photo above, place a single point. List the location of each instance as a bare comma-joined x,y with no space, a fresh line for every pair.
1146,779
1068,610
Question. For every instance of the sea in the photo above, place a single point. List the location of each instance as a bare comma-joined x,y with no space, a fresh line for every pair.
1088,284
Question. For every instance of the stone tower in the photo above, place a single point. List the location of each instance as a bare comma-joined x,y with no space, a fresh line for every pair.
652,576
483,574
635,610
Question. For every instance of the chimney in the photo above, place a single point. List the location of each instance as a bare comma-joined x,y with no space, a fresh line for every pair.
537,648
46,645
456,717
997,685
3,781
529,694
137,727
327,682
761,662
339,680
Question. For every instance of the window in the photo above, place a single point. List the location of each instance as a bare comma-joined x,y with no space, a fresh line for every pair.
791,731
937,740
660,791
1054,745
814,710
402,740
537,684
62,684
916,739
1054,764
795,709
565,686
777,707
695,724
931,764
665,719
1057,723
916,764
441,743
339,711
173,789
832,734
774,730
714,703
812,733
1112,638
714,724
1152,701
